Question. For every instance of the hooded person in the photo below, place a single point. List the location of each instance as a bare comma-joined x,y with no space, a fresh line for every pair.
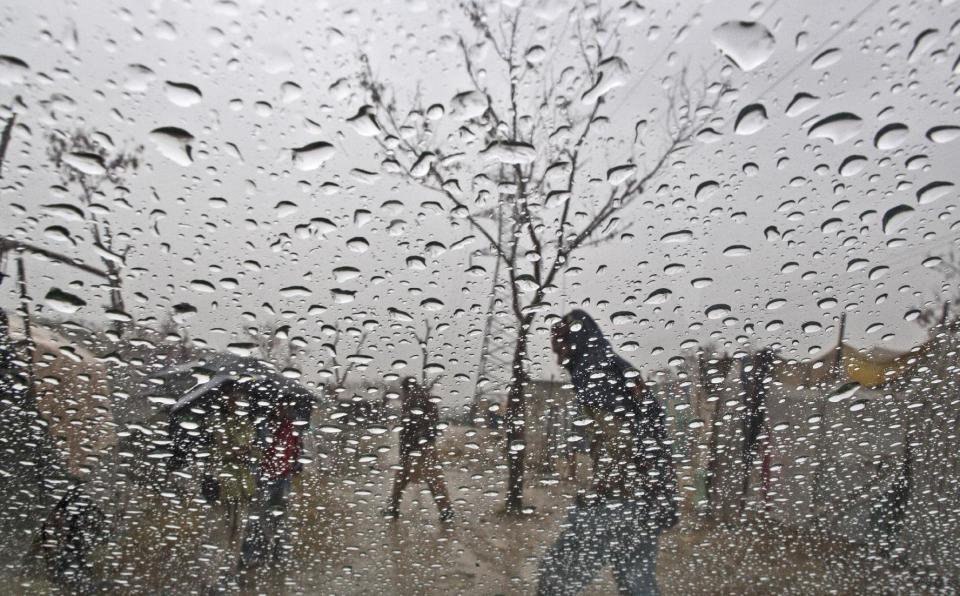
632,498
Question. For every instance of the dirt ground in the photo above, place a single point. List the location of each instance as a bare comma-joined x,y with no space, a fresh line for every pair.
338,543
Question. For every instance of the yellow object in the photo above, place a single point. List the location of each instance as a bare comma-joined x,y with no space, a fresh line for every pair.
872,372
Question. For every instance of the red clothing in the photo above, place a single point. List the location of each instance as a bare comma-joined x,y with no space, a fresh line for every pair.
280,456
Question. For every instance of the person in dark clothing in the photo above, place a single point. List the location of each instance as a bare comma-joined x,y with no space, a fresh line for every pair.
67,537
419,462
633,494
11,375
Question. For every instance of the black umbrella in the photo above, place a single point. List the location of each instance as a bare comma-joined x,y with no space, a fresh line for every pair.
195,385
190,383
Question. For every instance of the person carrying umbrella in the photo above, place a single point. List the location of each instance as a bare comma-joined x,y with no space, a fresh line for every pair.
633,494
420,419
278,464
232,451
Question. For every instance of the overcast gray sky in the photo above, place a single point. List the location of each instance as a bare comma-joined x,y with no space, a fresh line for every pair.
276,76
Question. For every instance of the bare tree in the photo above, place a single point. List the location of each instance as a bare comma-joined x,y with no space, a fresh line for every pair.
6,135
518,167
273,342
936,314
89,162
337,368
424,342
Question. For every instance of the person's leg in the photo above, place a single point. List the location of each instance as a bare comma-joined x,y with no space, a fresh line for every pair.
438,488
254,540
233,509
277,526
578,554
400,481
571,456
634,553
432,474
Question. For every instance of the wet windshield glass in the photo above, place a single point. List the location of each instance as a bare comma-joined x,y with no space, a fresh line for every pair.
507,297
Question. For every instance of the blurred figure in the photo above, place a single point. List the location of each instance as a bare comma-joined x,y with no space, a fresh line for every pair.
8,371
419,418
232,447
278,465
65,540
633,494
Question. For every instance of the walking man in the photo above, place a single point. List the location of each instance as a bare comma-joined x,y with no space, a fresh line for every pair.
419,462
633,494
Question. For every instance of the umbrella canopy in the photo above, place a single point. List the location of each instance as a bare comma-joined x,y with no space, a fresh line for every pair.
192,382
196,386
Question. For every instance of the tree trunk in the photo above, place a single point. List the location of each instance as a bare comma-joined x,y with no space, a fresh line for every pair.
515,421
713,465
116,298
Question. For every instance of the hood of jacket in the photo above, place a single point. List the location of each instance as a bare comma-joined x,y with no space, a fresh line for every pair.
598,374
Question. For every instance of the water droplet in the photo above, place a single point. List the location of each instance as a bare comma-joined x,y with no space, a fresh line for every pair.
826,58
620,174
202,286
58,234
748,45
431,304
88,163
399,315
751,120
896,217
701,282
857,265
717,311
138,78
891,136
63,302
923,42
509,152
358,244
341,296
468,105
174,144
535,54
736,250
658,296
285,209
364,122
345,274
312,156
934,192
65,211
295,292
611,73
776,303
13,71
943,134
838,128
290,92
677,237
182,95
853,165
801,103
705,190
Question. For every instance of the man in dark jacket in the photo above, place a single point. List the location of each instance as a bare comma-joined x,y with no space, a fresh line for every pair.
633,494
419,461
